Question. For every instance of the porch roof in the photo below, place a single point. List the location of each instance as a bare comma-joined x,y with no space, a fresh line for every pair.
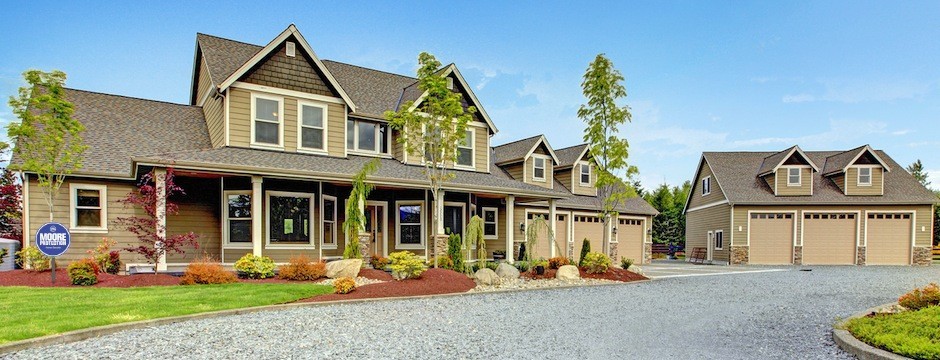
391,172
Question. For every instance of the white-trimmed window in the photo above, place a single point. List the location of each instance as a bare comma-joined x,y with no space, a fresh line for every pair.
706,185
465,150
89,209
312,126
328,209
238,218
289,219
794,176
538,168
490,223
585,170
410,225
864,176
367,136
719,239
267,120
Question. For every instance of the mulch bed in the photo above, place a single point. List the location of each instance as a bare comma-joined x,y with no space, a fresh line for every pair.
615,274
43,279
432,282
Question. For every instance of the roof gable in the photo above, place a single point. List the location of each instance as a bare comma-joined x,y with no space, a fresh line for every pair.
521,149
410,92
840,162
569,156
297,73
773,162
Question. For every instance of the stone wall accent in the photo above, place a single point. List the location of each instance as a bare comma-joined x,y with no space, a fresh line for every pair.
647,253
365,239
612,252
570,251
860,255
797,255
923,256
740,255
293,73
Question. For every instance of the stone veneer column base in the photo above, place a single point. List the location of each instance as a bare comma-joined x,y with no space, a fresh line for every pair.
647,253
923,256
365,239
740,255
797,255
612,252
570,251
860,256
441,241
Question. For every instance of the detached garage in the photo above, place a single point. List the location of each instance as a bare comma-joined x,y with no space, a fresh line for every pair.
829,238
889,238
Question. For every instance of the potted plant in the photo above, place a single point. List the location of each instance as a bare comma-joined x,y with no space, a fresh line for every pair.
540,266
499,255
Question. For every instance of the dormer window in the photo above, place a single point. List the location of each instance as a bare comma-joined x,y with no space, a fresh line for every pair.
864,176
706,185
267,119
538,168
585,174
794,176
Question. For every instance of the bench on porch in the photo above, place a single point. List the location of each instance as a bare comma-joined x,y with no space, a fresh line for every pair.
698,255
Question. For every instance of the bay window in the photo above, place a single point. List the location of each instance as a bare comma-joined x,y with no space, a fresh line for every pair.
367,136
311,134
289,218
267,117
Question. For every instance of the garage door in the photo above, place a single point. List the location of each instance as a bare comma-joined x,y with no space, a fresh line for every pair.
829,238
589,227
630,240
889,239
543,248
771,238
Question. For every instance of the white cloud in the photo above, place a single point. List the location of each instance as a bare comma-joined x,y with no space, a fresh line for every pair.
855,91
798,98
841,132
900,132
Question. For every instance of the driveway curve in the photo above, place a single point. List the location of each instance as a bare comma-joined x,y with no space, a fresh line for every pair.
768,315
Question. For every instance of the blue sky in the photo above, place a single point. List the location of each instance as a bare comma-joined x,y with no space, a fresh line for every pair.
701,76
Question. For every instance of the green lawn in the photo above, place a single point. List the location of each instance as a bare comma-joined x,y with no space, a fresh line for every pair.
915,334
28,312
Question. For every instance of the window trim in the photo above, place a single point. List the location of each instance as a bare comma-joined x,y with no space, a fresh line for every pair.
706,185
799,176
225,221
323,244
280,121
871,176
267,219
301,126
73,207
398,244
378,146
544,167
581,166
472,147
719,235
495,222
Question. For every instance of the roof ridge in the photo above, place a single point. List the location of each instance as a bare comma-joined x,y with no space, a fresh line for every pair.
227,39
520,140
569,147
133,97
781,151
371,69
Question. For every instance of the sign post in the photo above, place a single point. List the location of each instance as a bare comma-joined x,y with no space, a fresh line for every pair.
53,239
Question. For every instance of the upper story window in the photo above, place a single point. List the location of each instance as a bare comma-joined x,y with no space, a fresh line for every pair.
794,176
706,185
465,150
864,176
538,168
311,134
267,118
585,174
367,136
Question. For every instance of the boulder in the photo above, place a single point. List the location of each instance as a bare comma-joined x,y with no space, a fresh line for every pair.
343,268
635,269
568,272
486,277
505,270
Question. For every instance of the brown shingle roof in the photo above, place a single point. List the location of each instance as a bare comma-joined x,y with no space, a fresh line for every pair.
568,155
772,161
634,205
736,172
223,56
514,151
373,91
118,128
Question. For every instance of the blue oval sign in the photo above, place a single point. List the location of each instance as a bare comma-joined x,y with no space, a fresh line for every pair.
53,239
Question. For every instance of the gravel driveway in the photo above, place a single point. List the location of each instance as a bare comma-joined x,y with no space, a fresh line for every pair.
780,315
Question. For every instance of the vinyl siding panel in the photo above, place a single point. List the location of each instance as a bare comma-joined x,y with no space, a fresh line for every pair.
852,187
840,182
700,222
205,83
516,171
575,181
697,199
481,149
529,170
204,220
214,111
804,189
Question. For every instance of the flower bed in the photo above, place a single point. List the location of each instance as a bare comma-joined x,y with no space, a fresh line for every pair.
431,282
613,273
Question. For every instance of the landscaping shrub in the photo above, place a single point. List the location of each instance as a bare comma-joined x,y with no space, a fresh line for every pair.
522,266
491,265
33,259
585,249
83,272
626,263
206,271
455,251
658,256
921,298
557,262
444,262
344,285
109,261
255,267
378,262
540,262
406,265
300,268
3,255
595,263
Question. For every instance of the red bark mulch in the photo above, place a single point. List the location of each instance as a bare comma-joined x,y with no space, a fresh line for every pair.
613,273
375,274
43,279
432,282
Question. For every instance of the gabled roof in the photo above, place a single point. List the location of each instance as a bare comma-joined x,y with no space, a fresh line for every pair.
773,162
413,89
570,155
520,150
373,91
736,175
272,46
840,162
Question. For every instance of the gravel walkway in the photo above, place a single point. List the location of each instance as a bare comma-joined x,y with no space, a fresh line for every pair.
770,315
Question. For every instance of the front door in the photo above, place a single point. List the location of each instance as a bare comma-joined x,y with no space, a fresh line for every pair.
453,219
375,225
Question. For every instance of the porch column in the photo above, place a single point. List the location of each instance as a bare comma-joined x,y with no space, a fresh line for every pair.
552,221
256,215
440,240
159,177
510,228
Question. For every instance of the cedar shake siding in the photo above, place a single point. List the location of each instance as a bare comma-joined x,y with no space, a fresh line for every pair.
700,222
292,73
805,187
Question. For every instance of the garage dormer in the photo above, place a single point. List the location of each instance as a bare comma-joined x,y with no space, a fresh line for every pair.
789,172
859,171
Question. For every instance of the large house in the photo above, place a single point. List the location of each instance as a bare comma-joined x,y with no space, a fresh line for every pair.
266,150
809,207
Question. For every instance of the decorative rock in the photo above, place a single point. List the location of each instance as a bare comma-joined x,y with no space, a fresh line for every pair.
343,268
505,270
486,277
635,269
568,272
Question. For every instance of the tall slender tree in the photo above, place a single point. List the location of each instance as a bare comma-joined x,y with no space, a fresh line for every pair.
432,129
917,169
603,87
